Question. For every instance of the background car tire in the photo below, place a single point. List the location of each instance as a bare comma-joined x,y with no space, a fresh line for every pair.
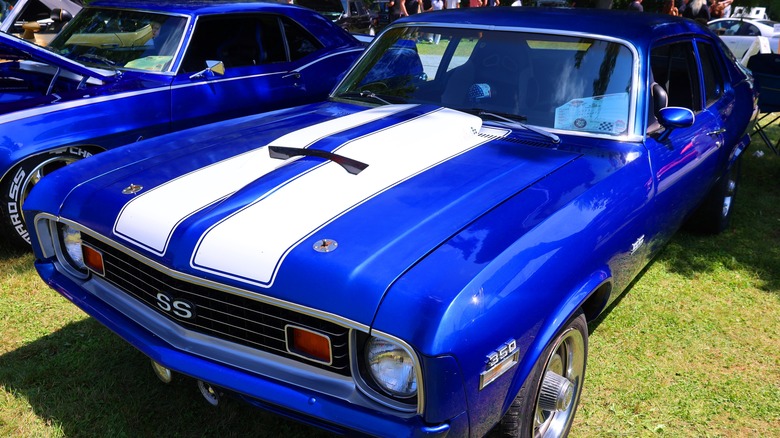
566,355
17,185
714,214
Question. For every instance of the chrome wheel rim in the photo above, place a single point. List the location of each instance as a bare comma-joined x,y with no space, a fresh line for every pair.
38,172
567,360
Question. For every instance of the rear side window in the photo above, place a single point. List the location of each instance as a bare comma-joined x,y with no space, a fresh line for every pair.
675,68
711,72
299,41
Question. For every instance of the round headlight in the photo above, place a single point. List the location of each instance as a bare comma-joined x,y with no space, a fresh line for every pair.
391,367
71,241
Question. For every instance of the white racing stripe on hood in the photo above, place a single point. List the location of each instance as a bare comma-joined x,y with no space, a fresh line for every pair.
149,219
251,244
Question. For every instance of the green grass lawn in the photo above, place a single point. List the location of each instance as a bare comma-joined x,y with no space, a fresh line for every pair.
692,349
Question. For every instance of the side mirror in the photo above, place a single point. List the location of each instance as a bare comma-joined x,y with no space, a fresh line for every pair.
60,16
213,68
674,117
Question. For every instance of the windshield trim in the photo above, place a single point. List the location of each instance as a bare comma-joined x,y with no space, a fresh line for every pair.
177,53
633,125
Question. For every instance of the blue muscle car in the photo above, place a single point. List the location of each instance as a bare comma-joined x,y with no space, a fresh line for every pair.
419,255
122,71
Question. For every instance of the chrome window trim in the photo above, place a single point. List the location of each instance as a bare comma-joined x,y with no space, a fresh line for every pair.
177,56
633,125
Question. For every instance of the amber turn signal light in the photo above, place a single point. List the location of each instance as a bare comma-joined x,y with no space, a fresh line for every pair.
309,344
93,259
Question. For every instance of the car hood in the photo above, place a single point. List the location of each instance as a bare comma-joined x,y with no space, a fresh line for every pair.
13,48
313,230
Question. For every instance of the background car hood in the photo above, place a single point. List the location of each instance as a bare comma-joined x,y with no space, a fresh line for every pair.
304,229
17,48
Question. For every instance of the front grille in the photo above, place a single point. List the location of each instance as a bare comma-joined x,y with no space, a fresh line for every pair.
220,314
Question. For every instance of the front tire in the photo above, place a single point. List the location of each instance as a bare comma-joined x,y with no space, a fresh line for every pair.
17,185
548,400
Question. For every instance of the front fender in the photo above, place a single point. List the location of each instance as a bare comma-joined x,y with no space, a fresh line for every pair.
518,274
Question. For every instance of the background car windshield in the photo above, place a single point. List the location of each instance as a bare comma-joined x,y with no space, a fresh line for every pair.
115,38
552,81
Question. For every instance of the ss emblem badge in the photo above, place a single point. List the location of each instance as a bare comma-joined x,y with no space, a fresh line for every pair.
175,306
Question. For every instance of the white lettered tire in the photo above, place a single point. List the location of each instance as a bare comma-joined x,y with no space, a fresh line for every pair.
17,184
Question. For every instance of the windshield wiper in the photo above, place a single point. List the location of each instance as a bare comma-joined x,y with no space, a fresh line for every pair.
101,59
352,166
364,94
515,120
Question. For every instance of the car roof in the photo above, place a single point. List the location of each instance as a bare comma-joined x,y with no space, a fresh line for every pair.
637,28
194,7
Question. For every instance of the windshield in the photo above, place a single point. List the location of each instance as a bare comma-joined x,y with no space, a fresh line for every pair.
117,38
551,81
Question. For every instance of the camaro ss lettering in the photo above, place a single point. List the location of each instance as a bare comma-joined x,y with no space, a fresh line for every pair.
501,353
180,308
16,220
80,152
16,184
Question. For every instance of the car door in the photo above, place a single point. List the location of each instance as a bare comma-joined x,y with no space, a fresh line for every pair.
258,72
684,161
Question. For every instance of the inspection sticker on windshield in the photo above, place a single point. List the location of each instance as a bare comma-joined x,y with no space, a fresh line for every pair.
602,114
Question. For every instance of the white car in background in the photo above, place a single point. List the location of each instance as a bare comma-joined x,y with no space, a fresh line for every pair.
740,33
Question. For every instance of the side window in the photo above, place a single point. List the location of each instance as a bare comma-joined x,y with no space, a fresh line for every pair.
711,73
236,40
749,30
299,41
675,68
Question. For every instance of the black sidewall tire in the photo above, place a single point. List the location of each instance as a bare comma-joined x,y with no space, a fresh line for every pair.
519,419
14,232
708,217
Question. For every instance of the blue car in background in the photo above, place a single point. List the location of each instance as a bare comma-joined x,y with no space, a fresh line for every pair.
419,255
124,71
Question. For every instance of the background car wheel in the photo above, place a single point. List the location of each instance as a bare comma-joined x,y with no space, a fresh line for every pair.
17,185
546,403
714,214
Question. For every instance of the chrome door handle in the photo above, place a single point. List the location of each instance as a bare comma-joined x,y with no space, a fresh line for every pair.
292,74
717,131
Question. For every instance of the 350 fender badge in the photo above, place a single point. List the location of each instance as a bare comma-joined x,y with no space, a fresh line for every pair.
498,362
132,189
325,245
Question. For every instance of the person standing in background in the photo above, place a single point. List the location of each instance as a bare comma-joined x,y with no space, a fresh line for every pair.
636,5
697,10
412,7
669,8
436,5
397,9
